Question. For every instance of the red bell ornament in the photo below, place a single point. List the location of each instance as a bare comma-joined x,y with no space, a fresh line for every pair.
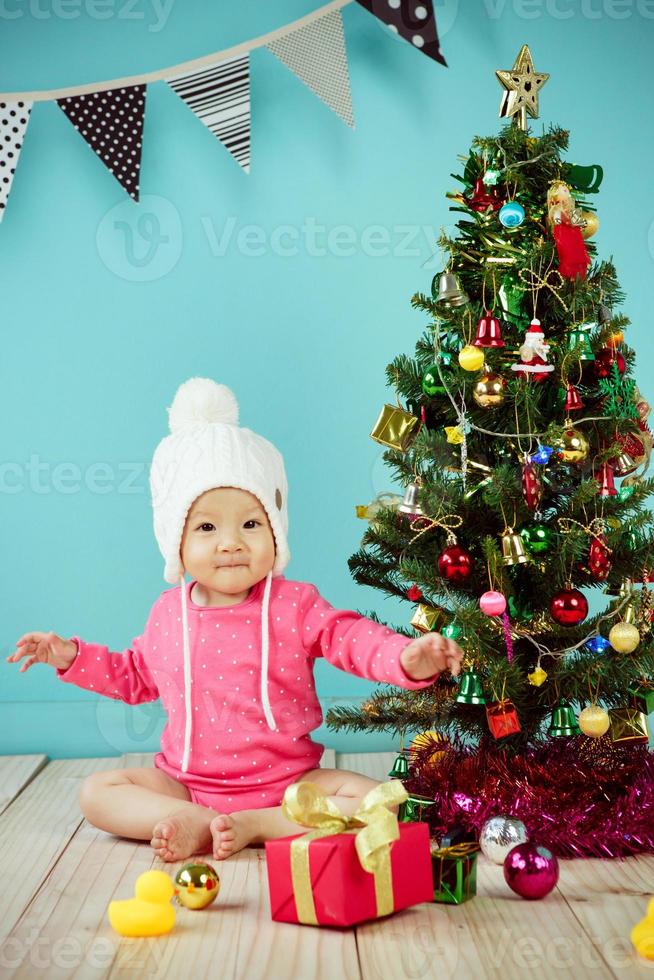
606,486
599,558
483,198
532,488
489,333
455,563
573,402
606,358
569,607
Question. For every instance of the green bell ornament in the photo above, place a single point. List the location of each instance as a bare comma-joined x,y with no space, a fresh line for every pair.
537,538
579,337
510,295
470,689
563,721
400,768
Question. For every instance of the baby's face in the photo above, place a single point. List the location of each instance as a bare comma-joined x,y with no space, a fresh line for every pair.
227,544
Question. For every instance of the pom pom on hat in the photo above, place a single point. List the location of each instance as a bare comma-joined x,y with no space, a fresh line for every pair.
201,400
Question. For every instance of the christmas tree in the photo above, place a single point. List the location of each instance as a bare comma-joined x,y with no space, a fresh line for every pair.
521,440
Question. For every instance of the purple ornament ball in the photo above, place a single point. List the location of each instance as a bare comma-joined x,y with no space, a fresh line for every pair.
531,870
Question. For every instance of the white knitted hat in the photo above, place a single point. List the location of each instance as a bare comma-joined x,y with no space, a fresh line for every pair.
207,449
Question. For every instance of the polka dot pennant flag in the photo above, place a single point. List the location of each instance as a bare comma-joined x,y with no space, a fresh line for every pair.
414,20
14,117
220,98
111,122
316,54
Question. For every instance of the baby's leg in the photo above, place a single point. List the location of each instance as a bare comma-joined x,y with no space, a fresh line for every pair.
233,831
148,804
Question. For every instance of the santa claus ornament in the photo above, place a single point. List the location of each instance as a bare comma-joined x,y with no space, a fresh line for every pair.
533,355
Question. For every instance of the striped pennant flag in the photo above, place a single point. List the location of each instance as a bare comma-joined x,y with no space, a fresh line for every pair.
220,98
316,54
14,117
111,122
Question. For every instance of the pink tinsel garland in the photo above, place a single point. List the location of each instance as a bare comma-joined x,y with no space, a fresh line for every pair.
579,796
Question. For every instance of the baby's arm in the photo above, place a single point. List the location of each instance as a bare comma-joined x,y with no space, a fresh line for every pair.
123,676
360,646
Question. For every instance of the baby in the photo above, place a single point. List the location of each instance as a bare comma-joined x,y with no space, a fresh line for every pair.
230,653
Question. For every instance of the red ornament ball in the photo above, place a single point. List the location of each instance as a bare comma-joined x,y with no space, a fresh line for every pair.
531,870
414,593
605,359
569,607
455,564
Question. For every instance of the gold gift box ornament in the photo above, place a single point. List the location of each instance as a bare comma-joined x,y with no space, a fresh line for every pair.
376,828
628,725
395,428
428,618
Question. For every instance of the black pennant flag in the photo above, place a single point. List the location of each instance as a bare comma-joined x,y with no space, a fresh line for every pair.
414,20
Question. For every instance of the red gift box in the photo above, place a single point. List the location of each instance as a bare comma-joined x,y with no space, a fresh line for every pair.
343,892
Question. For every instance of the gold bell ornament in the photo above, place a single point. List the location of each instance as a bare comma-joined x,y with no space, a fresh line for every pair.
450,294
513,549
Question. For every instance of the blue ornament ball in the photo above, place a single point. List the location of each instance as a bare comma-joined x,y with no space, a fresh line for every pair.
512,214
598,644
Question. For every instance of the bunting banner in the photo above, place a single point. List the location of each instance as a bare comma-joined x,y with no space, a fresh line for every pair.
220,98
111,122
414,20
14,117
316,54
109,115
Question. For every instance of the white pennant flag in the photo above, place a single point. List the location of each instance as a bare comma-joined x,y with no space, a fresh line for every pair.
14,117
316,54
220,98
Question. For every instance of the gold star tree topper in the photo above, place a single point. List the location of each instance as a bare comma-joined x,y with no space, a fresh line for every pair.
522,85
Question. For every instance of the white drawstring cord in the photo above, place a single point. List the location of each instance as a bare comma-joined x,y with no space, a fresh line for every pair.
264,655
187,681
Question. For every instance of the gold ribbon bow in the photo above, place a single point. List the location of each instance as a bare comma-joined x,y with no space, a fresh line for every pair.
463,849
534,281
420,525
595,529
304,803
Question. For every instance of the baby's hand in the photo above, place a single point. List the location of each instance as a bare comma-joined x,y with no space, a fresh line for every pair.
430,654
44,648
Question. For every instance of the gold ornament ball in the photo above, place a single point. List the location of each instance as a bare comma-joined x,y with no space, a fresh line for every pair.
592,224
490,391
196,885
594,721
573,446
471,358
624,637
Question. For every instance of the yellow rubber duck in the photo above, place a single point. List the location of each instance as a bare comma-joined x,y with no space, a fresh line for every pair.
642,934
149,913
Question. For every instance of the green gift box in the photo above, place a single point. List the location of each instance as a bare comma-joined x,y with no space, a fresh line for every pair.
455,872
643,696
413,809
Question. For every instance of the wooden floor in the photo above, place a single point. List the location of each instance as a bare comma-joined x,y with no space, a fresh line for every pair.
59,874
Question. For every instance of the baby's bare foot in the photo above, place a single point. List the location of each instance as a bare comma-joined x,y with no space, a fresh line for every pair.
231,832
180,836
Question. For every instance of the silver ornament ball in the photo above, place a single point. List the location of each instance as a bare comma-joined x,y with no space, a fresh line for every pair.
499,835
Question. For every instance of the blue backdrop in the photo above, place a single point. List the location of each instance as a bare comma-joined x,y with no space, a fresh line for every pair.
292,285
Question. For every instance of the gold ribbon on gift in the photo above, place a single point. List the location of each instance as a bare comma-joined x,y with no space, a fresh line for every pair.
456,850
304,803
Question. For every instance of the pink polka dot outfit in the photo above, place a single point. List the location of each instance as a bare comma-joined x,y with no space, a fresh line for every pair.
240,755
